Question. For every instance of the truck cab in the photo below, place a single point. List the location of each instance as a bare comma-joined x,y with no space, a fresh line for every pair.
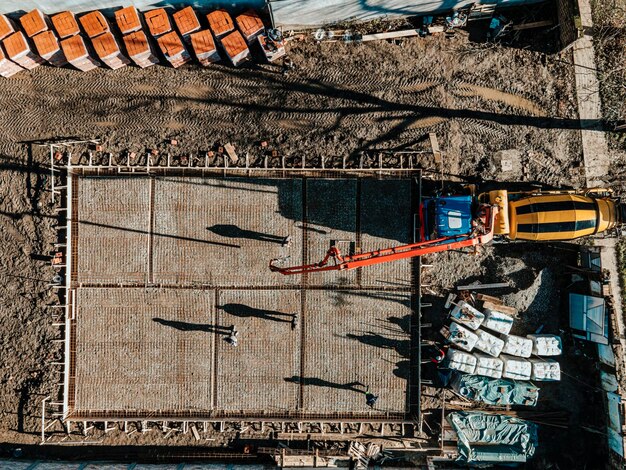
446,216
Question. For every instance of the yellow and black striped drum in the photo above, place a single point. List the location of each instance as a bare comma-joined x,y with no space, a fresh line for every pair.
560,217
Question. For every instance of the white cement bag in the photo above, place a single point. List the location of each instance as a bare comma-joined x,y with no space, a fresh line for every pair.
461,361
517,346
488,343
488,366
545,370
546,345
516,368
467,315
497,321
462,338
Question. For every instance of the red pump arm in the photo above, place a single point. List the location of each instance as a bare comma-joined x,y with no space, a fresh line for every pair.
481,234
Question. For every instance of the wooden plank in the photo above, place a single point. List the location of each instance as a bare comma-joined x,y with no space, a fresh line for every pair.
434,144
500,308
390,35
477,286
489,298
230,150
534,24
194,431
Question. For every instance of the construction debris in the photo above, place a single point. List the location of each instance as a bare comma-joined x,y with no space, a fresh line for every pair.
272,44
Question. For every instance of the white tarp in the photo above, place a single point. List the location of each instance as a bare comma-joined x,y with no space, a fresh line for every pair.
497,321
545,370
467,315
462,338
546,345
488,366
517,346
488,343
461,361
516,368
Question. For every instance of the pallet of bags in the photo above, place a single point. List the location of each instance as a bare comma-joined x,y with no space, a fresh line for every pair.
546,345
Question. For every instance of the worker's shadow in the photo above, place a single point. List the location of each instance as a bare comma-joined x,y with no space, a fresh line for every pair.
351,386
232,231
241,310
184,326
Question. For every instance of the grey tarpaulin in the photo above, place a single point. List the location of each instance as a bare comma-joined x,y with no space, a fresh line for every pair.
316,13
486,437
495,391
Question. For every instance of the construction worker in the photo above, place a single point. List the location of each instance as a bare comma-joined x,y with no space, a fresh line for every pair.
370,398
294,321
232,338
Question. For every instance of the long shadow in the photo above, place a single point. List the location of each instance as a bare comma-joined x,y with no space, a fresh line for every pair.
185,326
351,386
402,347
232,231
241,310
164,235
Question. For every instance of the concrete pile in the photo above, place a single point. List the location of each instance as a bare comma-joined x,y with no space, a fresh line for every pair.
173,49
140,50
204,47
19,51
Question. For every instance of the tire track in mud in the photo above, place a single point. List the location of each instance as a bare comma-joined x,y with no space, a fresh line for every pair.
492,94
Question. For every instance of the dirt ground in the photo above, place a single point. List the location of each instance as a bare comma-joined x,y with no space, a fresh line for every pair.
341,100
